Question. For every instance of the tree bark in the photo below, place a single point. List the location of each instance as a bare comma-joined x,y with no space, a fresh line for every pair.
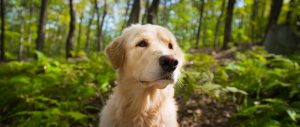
289,13
240,27
152,12
40,41
218,24
135,13
204,36
79,32
126,13
29,28
144,18
2,46
70,38
165,14
86,49
200,23
228,23
253,19
21,45
274,14
275,11
100,24
58,38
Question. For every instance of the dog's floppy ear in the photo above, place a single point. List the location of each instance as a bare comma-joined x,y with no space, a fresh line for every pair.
116,52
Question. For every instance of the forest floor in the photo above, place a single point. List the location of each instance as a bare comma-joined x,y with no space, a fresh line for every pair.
203,111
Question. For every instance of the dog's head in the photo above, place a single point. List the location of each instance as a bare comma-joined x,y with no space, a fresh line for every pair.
147,54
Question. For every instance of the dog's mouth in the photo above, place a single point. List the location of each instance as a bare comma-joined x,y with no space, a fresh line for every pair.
165,78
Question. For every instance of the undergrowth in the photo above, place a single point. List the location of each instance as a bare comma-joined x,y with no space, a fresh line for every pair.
266,87
47,92
53,92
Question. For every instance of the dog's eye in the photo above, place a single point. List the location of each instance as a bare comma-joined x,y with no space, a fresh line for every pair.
170,46
142,43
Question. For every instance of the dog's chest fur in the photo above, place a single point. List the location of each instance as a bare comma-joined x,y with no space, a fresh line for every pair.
143,119
154,109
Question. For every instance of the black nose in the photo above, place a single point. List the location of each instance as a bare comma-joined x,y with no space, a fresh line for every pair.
168,63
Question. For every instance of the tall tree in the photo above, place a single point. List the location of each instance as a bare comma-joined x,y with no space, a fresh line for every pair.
152,12
218,24
87,40
21,45
253,19
40,41
274,14
289,13
164,13
228,23
275,11
79,32
126,13
29,39
59,31
144,18
2,46
135,13
201,9
70,38
240,27
100,24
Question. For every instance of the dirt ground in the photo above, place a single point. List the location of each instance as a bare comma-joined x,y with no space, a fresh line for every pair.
203,111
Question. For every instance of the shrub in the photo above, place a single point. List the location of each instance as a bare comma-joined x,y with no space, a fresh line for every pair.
47,92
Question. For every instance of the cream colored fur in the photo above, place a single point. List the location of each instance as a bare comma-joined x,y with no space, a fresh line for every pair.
140,99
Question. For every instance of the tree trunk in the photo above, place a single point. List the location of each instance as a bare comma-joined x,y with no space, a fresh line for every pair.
200,23
58,38
240,27
100,24
275,11
79,32
289,13
253,19
21,45
70,38
261,25
144,18
152,12
126,14
135,13
40,41
274,14
86,49
2,46
28,49
228,23
165,14
204,36
218,24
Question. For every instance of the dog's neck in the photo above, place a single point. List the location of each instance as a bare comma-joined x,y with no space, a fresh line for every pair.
137,99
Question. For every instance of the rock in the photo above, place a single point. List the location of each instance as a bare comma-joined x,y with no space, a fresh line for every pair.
282,40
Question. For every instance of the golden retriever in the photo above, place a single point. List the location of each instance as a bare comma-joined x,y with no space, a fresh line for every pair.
148,61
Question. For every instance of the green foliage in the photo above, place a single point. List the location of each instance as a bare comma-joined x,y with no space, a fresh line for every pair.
272,84
47,92
265,86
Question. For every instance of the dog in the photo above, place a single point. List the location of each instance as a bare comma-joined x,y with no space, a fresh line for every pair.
147,59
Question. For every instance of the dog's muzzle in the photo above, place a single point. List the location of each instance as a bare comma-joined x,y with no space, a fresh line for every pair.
168,63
